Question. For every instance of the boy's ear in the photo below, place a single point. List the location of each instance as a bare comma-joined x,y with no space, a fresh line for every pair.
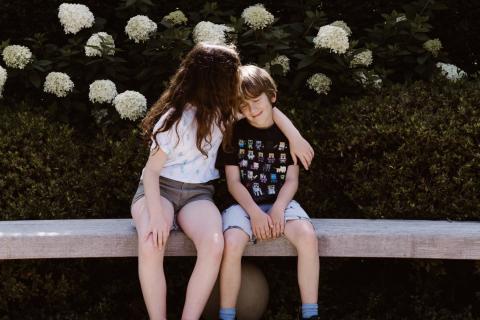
273,99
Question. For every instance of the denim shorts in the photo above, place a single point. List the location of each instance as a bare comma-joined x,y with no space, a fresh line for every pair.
236,217
179,193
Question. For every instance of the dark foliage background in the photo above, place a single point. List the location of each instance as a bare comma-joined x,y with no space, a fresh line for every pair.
406,151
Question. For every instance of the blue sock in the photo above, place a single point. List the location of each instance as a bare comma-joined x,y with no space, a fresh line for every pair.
309,310
227,313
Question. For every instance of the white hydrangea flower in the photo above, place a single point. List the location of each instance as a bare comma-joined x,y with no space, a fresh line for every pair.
450,71
257,17
400,18
97,40
102,91
433,46
281,60
130,105
16,56
176,17
206,31
3,79
371,78
58,83
363,58
320,83
75,17
140,28
343,25
333,38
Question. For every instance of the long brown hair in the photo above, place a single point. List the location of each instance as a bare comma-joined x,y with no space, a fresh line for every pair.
208,78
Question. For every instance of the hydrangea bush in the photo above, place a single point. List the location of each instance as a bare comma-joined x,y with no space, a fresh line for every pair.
316,58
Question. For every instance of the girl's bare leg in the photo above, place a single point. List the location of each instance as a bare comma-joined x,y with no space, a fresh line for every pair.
150,261
201,221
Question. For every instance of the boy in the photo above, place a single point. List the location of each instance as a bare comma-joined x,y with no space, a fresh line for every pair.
262,179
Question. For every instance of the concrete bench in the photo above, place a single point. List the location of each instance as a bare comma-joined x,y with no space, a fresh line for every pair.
32,239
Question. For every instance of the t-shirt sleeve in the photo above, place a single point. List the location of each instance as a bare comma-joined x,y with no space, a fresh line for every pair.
165,140
230,157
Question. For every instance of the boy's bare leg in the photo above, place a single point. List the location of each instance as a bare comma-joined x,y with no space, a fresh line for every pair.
231,270
302,235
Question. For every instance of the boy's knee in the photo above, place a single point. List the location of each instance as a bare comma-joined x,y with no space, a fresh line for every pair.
235,242
309,237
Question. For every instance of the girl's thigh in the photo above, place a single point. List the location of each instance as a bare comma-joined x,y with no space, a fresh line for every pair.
141,215
199,219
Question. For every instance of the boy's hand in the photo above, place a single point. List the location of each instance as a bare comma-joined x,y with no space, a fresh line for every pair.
261,225
303,150
278,219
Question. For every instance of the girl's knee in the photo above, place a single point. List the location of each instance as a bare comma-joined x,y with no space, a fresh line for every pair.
211,247
146,248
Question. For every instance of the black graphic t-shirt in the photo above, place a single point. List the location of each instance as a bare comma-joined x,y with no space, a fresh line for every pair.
262,156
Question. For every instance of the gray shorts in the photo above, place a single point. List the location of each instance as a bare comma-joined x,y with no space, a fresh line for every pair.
179,193
236,217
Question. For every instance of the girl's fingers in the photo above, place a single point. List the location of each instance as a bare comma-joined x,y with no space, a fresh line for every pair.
155,238
294,157
165,238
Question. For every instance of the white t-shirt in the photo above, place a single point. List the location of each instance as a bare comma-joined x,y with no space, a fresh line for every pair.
185,162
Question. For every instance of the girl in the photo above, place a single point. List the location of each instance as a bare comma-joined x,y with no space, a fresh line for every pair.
186,126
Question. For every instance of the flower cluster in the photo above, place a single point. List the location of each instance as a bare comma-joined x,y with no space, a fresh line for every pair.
130,105
369,78
257,17
343,25
333,38
281,60
100,44
176,17
433,46
102,91
206,31
3,79
140,28
363,58
320,83
450,71
58,83
16,56
75,17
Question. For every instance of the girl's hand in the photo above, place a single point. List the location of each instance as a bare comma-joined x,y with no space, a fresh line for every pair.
278,219
261,225
299,147
159,228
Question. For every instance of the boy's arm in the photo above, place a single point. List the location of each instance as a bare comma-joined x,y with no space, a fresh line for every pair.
299,147
285,195
261,222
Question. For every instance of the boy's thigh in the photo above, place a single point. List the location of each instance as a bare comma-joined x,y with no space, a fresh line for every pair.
236,217
294,211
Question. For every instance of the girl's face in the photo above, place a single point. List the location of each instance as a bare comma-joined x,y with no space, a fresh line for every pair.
258,110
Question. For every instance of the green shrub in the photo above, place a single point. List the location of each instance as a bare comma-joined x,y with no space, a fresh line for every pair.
406,152
48,172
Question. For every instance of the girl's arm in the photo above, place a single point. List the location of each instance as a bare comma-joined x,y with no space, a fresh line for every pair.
299,147
261,222
285,195
158,225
